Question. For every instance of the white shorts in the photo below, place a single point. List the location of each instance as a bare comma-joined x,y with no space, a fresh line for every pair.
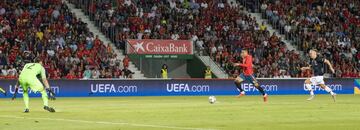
316,80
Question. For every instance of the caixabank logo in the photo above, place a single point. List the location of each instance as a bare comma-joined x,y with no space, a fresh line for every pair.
149,46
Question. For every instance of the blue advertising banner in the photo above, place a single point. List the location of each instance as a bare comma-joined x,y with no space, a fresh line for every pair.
183,87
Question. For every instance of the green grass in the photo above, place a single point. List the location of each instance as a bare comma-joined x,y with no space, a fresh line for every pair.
157,113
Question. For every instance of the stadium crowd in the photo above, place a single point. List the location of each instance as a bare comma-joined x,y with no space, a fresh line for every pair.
333,27
47,29
221,28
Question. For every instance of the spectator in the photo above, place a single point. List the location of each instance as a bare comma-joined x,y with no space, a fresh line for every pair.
71,75
126,61
102,74
127,73
56,74
12,71
95,73
347,74
164,71
117,73
109,74
87,73
208,73
79,75
287,75
5,71
263,27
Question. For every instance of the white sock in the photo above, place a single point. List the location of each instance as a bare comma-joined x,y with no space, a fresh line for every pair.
311,92
327,89
308,87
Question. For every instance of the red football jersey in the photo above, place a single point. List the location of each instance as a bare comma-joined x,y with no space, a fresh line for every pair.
247,65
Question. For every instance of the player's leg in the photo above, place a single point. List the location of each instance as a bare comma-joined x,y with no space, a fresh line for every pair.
308,87
45,99
321,83
37,86
258,87
3,91
25,88
329,90
26,100
237,82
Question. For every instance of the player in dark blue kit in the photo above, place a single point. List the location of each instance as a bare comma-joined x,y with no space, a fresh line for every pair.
317,65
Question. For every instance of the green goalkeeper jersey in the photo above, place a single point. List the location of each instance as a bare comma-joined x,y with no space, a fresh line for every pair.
31,70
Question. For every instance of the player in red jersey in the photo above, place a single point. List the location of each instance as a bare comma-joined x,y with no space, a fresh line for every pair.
247,75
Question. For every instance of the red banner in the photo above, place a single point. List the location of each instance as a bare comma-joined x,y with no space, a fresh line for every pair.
150,46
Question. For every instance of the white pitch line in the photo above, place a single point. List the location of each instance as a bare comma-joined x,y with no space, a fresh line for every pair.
104,122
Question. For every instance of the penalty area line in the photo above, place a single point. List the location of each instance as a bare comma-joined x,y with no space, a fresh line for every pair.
104,122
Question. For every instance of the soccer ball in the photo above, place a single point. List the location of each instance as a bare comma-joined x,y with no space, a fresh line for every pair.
212,99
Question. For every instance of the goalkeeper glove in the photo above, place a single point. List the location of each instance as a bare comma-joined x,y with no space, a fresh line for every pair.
51,94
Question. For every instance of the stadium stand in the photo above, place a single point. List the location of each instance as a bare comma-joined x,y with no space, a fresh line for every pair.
219,28
222,29
333,27
48,30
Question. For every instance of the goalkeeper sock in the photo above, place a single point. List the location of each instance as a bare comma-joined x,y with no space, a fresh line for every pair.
44,97
26,99
238,85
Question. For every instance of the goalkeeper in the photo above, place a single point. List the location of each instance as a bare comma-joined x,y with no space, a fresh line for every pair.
28,79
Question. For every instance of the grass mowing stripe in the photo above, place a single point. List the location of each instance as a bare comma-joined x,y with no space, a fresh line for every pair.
105,123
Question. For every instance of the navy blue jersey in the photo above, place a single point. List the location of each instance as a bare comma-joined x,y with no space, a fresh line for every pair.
317,65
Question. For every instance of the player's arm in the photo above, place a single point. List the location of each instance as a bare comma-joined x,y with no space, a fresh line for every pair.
46,84
44,79
246,65
236,64
305,68
308,67
248,62
330,65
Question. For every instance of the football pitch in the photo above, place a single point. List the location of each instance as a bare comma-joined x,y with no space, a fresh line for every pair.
185,113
